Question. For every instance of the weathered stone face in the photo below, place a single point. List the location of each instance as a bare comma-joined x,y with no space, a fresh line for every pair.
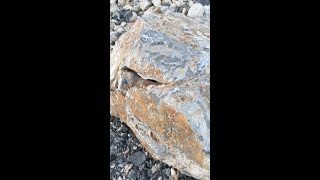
160,80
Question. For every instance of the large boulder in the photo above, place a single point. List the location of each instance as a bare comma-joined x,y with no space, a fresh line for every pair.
159,85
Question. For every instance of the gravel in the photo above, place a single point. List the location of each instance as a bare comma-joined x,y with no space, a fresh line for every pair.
128,158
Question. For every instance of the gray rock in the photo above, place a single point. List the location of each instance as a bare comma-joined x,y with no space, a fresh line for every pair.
166,2
207,10
134,17
137,158
204,2
155,168
156,2
112,25
191,3
113,37
120,30
135,9
197,10
127,7
140,13
178,3
113,8
121,2
132,175
170,115
166,172
184,11
145,4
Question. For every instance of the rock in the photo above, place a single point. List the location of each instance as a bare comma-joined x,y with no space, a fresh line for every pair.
204,2
173,172
145,4
207,10
144,175
196,10
155,168
135,9
173,7
120,30
140,13
166,2
113,8
112,25
134,17
123,24
127,168
121,2
113,1
127,7
184,11
137,158
132,175
165,100
156,2
191,3
163,9
112,157
178,3
113,37
122,15
166,172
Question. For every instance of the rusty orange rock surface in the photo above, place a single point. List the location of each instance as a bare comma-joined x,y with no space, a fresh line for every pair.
160,81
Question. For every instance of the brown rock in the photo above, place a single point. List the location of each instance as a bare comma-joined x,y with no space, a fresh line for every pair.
160,79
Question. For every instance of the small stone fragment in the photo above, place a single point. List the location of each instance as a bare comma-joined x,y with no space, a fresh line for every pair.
145,4
197,10
156,2
155,168
132,175
137,158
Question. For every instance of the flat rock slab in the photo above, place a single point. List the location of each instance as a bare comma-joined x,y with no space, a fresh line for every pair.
159,85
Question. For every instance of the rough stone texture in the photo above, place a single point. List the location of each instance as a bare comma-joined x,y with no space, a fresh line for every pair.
197,10
160,83
145,4
156,2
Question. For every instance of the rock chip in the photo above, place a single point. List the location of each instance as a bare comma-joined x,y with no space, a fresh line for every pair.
156,2
145,4
204,2
166,2
207,10
197,10
113,37
132,175
137,158
159,86
121,2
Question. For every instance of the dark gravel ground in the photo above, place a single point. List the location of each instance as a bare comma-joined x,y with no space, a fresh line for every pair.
129,160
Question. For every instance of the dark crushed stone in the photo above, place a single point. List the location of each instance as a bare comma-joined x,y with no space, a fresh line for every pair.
137,158
121,139
204,2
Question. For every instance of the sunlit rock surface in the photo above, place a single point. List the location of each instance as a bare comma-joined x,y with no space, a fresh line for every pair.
160,80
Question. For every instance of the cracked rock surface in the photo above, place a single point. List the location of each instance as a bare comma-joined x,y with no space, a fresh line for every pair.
160,80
